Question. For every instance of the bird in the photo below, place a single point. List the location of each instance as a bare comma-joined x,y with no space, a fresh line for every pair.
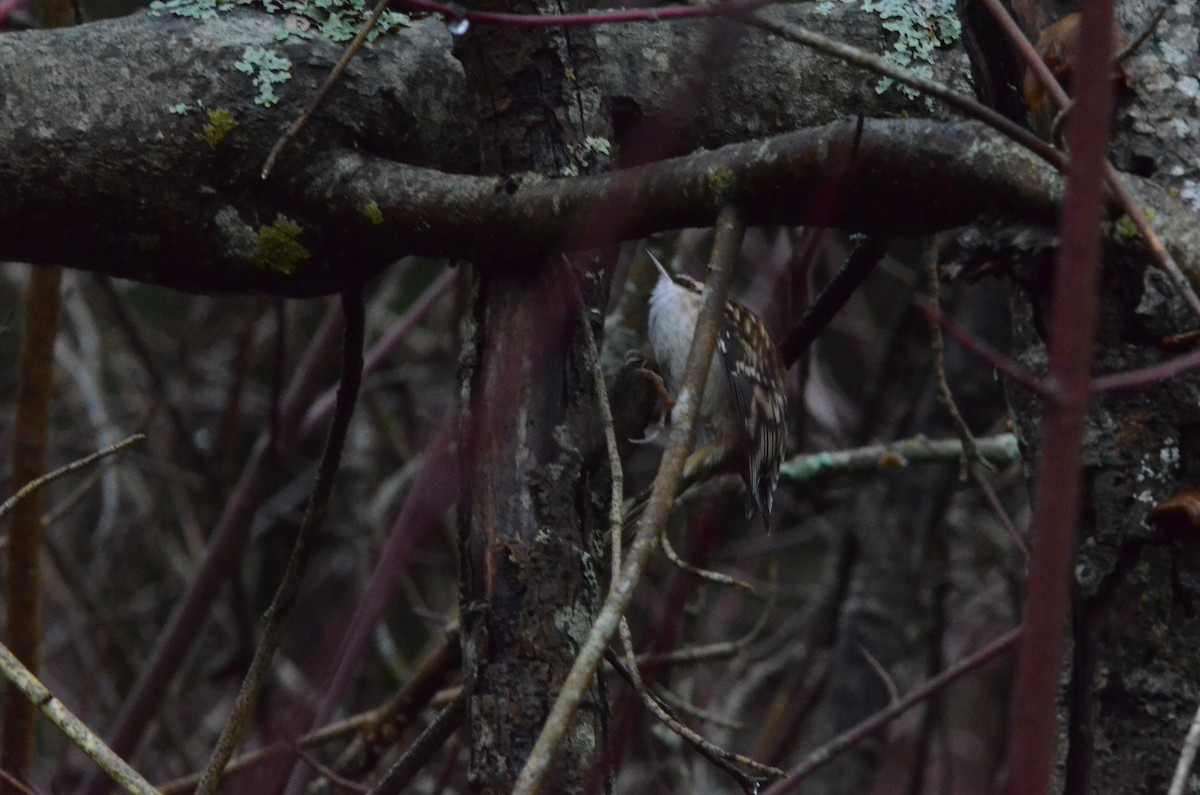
742,420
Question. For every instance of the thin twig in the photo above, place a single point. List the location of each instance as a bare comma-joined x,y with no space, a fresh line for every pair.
1002,516
279,612
715,577
385,346
725,760
338,781
302,121
114,766
985,351
13,782
864,256
725,649
885,678
730,229
1187,756
617,491
945,394
847,739
1132,47
880,66
325,734
1153,374
454,14
435,734
74,466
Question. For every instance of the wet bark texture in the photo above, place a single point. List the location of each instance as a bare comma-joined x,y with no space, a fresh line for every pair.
537,480
1130,689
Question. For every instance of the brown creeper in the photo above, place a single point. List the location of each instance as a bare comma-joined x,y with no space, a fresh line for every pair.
742,422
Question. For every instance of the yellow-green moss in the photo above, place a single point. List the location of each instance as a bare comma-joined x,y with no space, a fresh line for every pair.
720,179
220,124
278,249
1126,229
370,210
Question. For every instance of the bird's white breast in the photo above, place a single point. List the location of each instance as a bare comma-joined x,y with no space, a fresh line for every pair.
671,328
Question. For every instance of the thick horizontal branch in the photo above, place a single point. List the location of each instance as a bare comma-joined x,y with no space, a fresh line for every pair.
907,177
133,148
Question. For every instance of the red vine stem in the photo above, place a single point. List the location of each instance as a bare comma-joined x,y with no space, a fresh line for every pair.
1033,726
454,13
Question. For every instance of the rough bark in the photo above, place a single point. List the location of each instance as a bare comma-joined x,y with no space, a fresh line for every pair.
1130,691
87,132
536,479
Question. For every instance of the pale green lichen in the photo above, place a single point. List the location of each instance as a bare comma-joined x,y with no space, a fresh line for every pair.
597,145
278,249
370,210
267,69
220,124
336,20
921,29
179,109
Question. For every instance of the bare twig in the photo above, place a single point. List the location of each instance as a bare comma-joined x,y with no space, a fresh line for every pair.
728,761
617,491
945,394
340,782
335,75
114,766
435,734
828,752
1187,756
279,612
874,63
385,346
1131,379
457,14
74,466
984,351
426,504
885,678
864,256
715,577
334,731
220,556
730,229
1002,516
31,419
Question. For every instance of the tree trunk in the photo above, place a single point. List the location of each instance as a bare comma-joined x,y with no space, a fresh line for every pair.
536,475
1130,690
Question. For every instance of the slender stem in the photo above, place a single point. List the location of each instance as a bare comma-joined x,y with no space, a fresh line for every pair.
435,734
1033,724
847,739
880,66
31,421
39,696
280,611
74,466
730,229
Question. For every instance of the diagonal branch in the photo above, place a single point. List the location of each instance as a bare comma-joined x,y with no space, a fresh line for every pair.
730,229
280,611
